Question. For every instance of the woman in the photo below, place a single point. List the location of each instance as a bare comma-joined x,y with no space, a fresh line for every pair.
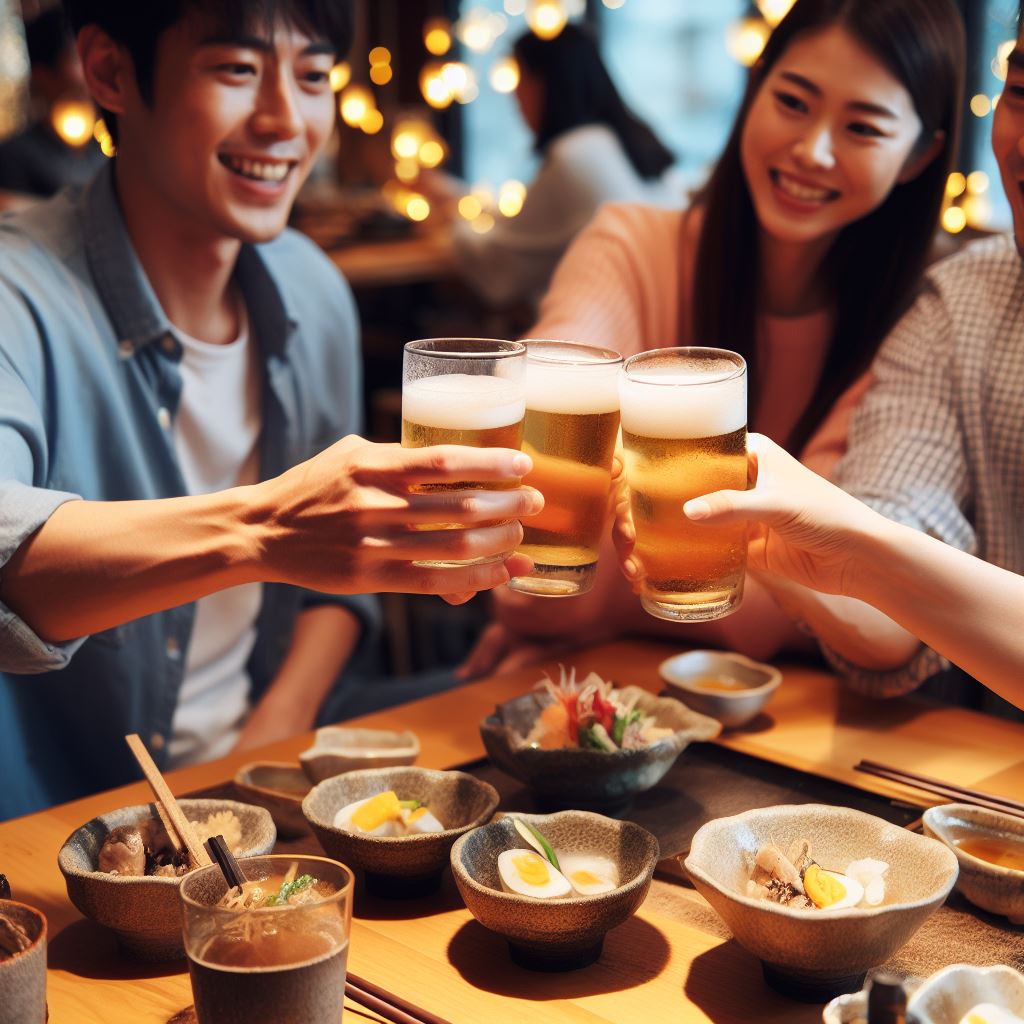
593,149
801,252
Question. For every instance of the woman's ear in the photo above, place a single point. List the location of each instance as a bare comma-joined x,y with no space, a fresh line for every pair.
108,69
920,159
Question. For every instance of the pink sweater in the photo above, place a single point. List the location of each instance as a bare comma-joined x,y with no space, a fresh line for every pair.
618,287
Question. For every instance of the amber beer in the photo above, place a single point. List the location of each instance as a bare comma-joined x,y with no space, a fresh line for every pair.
572,420
684,416
466,391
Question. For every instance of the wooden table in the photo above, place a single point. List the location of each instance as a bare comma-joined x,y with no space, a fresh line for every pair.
655,967
421,257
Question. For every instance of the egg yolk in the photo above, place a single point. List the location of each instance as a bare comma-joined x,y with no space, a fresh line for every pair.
532,870
377,810
416,815
585,878
822,889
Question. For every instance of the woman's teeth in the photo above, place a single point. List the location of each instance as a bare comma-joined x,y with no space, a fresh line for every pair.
802,192
259,170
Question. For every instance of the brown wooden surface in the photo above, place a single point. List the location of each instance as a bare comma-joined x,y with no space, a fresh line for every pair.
655,968
423,257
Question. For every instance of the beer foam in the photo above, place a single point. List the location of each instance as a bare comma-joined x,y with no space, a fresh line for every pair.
463,401
678,404
572,389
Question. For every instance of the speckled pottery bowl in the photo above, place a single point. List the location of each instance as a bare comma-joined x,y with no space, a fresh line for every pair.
756,682
815,955
593,779
950,993
144,912
400,866
338,749
990,886
23,976
555,934
280,787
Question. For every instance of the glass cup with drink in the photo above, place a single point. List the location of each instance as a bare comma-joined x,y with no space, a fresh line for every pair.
466,391
684,434
572,421
275,949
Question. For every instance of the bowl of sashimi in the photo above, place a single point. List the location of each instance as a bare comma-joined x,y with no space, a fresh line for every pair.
589,744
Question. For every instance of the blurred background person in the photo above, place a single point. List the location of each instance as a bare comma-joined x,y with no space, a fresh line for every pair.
57,148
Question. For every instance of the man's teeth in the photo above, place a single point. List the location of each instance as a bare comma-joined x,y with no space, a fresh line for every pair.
802,192
259,169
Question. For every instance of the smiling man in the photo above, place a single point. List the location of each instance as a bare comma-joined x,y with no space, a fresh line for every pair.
169,356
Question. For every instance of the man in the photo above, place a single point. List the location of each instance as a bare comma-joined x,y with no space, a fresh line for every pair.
167,352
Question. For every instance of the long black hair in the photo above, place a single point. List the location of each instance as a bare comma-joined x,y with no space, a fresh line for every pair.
876,263
578,90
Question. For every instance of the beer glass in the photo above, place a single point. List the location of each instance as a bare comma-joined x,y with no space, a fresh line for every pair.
572,420
684,434
284,964
465,391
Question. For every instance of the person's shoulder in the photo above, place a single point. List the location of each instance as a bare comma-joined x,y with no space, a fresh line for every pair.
303,271
978,269
582,141
37,244
639,224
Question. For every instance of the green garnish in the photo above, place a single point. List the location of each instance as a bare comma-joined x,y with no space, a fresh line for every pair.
622,722
537,841
289,889
410,805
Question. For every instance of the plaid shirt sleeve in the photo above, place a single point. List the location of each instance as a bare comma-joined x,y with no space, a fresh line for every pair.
906,459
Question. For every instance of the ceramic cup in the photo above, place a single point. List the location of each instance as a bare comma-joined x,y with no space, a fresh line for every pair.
23,975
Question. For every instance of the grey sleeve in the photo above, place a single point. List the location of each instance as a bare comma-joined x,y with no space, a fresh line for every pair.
25,505
906,459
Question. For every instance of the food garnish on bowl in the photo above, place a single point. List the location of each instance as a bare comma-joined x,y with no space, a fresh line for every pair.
386,815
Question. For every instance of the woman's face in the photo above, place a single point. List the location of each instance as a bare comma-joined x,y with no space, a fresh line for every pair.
828,136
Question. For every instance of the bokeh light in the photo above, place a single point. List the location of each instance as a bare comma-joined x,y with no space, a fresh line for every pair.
355,101
955,184
437,36
74,121
504,75
340,76
981,105
773,11
954,220
546,18
745,39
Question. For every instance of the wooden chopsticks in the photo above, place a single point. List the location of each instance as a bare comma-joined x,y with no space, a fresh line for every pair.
947,790
391,1007
179,828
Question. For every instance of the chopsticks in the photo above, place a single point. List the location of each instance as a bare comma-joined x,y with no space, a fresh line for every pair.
384,1004
958,794
179,828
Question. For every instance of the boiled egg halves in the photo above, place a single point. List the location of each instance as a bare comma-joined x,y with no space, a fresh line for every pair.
528,874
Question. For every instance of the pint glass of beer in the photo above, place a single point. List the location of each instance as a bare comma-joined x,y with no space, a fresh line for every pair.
463,391
684,431
572,420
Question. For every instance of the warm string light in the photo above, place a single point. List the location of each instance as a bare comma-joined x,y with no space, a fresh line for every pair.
773,11
1001,60
340,76
510,198
546,18
504,76
967,203
437,36
102,135
74,121
746,39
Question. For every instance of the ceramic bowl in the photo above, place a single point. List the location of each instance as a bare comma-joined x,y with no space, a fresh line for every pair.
593,779
280,787
555,934
992,887
815,955
399,866
143,912
23,975
756,682
337,749
947,995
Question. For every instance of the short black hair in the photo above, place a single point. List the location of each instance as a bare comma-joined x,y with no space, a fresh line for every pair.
48,37
138,25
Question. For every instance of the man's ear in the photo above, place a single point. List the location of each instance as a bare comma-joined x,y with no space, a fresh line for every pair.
109,72
918,161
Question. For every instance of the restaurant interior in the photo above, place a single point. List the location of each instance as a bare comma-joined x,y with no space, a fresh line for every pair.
591,789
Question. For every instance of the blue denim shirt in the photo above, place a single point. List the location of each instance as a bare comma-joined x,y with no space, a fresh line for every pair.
89,387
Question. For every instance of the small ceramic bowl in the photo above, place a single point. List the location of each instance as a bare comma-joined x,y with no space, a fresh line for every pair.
815,955
593,779
950,993
400,866
280,787
990,886
337,749
555,934
750,684
143,912
852,1008
23,975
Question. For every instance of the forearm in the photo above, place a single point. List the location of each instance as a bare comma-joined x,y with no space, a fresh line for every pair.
94,565
967,610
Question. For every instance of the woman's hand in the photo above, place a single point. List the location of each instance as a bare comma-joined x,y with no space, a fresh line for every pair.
355,518
623,531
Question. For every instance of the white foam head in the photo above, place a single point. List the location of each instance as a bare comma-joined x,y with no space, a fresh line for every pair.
680,398
463,401
578,388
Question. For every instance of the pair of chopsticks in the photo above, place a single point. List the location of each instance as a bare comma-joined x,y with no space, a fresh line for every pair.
384,1004
178,827
947,790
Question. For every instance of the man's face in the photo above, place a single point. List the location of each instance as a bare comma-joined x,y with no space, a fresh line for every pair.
1008,139
233,128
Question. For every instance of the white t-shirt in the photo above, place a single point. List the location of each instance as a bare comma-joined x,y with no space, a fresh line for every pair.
216,438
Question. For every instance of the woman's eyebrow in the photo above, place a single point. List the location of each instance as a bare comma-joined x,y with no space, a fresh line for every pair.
861,105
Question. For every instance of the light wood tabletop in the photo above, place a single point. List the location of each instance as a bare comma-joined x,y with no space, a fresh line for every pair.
656,967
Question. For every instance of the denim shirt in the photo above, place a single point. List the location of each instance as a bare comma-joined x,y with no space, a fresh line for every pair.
89,387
